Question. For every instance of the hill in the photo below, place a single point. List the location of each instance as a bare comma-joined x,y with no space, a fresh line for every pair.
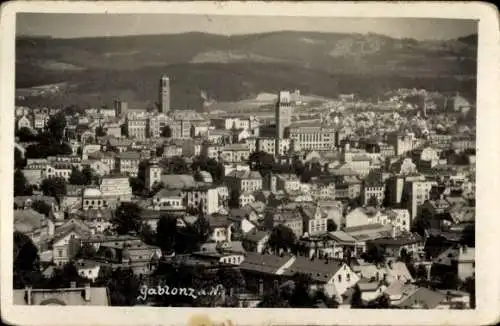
232,68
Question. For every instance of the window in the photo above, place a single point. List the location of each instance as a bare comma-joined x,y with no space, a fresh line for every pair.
59,253
340,278
348,277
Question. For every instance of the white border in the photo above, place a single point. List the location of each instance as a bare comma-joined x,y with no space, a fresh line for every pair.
488,162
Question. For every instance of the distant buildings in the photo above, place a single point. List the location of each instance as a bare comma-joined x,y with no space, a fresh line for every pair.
164,94
284,113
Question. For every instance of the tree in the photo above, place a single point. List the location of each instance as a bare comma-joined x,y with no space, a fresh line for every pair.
26,261
76,177
147,234
469,236
63,277
469,286
230,278
374,254
123,286
26,135
373,201
56,125
421,272
202,229
100,132
177,165
301,298
19,160
166,132
21,187
331,226
41,207
382,302
54,187
87,251
274,299
166,232
356,300
127,218
282,237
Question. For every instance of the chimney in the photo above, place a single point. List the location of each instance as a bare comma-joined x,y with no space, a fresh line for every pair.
86,292
28,295
261,287
72,284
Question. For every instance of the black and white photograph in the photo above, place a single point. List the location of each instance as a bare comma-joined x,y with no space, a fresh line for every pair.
212,160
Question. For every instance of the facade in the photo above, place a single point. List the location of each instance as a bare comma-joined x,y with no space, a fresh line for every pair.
164,94
313,137
120,107
284,113
137,128
128,163
116,187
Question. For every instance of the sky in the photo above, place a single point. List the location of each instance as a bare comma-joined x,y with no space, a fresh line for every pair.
91,25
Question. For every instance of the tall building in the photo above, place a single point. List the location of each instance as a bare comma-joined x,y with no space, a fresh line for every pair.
121,108
153,174
164,94
283,113
313,137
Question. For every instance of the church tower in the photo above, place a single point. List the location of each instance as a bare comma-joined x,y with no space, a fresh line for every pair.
153,174
164,94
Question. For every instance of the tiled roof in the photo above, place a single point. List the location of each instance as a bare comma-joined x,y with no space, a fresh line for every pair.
131,155
255,235
263,263
178,181
318,270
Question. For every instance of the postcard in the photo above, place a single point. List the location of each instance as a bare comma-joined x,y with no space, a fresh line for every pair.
249,163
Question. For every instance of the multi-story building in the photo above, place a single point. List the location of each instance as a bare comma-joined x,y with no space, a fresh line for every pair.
415,193
171,150
153,174
23,122
58,170
116,187
274,146
156,124
312,137
164,94
203,196
284,113
40,120
120,107
128,163
244,181
137,127
235,153
219,136
180,129
287,182
289,218
402,143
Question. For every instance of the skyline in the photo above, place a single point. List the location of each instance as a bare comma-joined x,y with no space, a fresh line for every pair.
115,25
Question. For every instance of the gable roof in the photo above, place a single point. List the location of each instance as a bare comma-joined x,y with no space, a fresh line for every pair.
264,263
319,270
256,235
422,297
178,181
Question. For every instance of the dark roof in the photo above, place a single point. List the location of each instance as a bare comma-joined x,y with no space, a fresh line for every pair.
319,270
428,298
263,263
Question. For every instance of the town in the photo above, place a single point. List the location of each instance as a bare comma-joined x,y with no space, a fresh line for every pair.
341,203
